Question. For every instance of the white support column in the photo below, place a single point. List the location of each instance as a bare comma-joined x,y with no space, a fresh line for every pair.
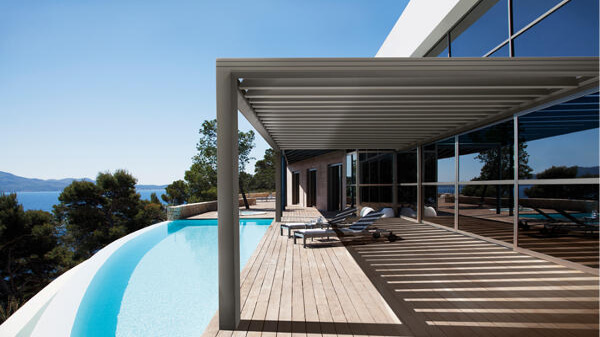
227,201
456,177
516,183
279,181
420,184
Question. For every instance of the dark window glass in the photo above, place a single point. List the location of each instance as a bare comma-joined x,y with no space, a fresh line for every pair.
561,221
560,141
381,194
525,11
439,205
350,196
438,161
407,201
487,154
487,210
570,31
376,168
501,52
481,30
407,167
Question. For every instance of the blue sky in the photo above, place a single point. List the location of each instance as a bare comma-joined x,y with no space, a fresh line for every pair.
89,86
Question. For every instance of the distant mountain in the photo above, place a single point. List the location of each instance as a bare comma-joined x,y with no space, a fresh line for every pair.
588,171
12,183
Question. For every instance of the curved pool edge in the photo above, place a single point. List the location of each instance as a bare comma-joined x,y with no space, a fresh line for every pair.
63,295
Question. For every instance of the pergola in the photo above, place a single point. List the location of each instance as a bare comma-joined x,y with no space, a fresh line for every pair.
368,103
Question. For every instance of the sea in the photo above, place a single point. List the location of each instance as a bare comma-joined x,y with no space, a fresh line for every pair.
45,200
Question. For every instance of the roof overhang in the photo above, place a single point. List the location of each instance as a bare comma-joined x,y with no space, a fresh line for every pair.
396,103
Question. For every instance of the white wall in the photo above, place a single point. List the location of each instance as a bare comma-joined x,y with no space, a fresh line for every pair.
421,25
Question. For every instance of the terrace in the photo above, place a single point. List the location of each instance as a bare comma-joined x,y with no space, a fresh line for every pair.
400,104
432,283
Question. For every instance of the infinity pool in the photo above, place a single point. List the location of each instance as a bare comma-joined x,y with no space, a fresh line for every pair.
161,283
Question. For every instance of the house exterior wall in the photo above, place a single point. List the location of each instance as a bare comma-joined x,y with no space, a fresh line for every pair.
320,163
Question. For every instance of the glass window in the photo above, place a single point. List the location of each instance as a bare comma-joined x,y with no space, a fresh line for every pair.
487,210
407,201
560,141
439,205
485,27
379,194
570,31
407,167
438,160
350,196
376,168
501,52
561,221
525,11
351,168
487,154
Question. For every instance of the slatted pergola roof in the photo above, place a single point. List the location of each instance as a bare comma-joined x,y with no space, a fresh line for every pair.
396,103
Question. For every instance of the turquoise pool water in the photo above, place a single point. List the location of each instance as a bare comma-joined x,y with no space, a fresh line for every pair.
161,283
556,216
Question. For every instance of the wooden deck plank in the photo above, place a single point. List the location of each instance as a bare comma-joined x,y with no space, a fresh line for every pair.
298,297
432,283
285,307
273,307
262,302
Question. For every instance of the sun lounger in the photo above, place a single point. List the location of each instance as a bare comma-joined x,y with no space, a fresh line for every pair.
358,228
337,219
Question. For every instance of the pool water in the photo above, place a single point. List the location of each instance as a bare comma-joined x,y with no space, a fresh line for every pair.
556,216
162,283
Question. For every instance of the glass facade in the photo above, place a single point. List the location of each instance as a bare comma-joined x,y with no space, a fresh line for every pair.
557,147
482,30
487,154
351,179
438,161
539,28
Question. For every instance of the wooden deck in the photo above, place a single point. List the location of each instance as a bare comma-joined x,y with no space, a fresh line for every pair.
432,283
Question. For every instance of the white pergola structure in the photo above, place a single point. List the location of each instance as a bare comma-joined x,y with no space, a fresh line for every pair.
368,103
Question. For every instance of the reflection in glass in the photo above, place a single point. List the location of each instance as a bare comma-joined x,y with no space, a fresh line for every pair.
561,221
350,196
351,168
438,161
380,194
487,210
501,52
439,205
485,27
561,141
351,179
376,168
570,31
407,201
525,11
487,154
407,167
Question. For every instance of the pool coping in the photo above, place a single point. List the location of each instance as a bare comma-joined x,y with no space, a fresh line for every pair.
60,299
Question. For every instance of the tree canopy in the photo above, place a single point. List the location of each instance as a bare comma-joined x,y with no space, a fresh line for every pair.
200,181
96,214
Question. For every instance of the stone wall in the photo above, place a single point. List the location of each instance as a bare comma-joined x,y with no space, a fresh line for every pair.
188,210
320,163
